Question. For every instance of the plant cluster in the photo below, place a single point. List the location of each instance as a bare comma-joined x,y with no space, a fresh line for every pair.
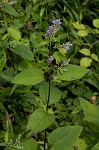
49,75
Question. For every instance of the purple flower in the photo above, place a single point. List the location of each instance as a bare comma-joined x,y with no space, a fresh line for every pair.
53,28
48,31
67,48
56,21
50,58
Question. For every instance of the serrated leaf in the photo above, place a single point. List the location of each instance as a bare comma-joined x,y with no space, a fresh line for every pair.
55,94
91,111
10,10
96,147
82,33
96,23
64,138
31,76
85,62
40,120
79,26
85,51
73,72
14,33
95,57
23,50
29,144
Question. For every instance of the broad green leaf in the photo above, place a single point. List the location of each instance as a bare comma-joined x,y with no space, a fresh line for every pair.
80,144
85,51
96,147
29,144
14,33
96,23
31,76
91,111
79,26
85,62
23,50
54,93
10,10
82,33
72,72
40,120
64,138
95,57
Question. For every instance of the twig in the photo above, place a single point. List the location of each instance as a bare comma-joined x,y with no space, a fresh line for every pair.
93,44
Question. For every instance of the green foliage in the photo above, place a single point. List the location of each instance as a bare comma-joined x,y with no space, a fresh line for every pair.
32,115
96,147
90,111
72,72
14,33
40,120
64,137
29,144
10,10
54,96
29,77
22,50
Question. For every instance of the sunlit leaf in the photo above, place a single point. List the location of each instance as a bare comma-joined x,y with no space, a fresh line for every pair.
85,62
85,51
95,57
96,23
82,33
79,26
